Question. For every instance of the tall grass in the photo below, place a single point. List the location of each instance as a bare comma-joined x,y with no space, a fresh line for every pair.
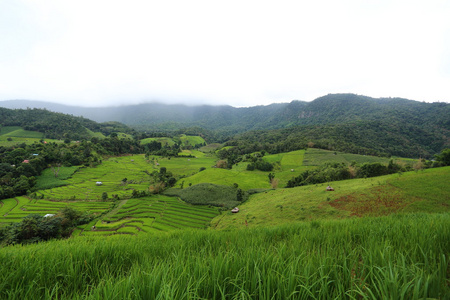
396,257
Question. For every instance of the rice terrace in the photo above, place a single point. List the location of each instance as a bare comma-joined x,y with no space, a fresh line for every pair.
105,211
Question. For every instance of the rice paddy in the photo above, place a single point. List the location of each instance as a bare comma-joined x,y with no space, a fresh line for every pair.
150,214
395,257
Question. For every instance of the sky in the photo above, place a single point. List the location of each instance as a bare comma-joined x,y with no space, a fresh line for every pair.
240,53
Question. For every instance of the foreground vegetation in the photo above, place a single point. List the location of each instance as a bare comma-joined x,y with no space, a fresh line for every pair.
396,257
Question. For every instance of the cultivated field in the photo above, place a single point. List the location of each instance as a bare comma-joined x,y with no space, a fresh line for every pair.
150,214
15,209
394,257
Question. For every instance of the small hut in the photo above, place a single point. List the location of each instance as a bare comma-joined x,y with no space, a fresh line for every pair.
235,210
99,183
330,189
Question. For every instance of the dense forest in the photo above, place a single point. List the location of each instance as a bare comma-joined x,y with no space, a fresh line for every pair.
368,138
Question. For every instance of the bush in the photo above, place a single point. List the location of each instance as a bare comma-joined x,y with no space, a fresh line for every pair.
210,194
36,228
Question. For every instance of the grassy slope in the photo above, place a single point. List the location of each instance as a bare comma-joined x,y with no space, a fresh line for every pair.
18,135
113,170
317,157
186,140
287,165
398,257
191,140
162,140
15,131
245,180
410,192
48,180
95,134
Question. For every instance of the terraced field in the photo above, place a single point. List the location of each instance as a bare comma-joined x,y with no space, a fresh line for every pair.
82,186
132,216
150,214
14,209
287,165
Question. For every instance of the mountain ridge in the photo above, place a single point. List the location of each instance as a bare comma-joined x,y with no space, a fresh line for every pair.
328,109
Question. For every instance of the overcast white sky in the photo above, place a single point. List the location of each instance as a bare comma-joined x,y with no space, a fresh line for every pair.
241,53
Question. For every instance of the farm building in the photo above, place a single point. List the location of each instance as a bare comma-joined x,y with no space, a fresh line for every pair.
99,183
235,210
330,189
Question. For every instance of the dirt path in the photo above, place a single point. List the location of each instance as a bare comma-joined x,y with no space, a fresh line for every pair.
115,210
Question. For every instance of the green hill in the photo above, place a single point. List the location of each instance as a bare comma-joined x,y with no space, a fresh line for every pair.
423,191
341,122
57,125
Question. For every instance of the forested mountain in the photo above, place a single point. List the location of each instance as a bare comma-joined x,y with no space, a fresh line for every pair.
58,125
368,138
329,109
346,122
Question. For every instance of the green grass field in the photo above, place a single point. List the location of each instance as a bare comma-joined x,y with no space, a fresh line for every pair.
317,157
18,135
186,140
19,132
48,180
191,140
410,192
395,257
163,140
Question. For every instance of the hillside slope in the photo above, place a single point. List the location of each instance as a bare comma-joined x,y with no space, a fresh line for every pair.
57,125
329,109
409,193
343,122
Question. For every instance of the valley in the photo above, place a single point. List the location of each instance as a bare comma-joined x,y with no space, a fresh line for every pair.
105,211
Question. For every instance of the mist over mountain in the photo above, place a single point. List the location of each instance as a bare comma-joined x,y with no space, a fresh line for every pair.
329,109
345,122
